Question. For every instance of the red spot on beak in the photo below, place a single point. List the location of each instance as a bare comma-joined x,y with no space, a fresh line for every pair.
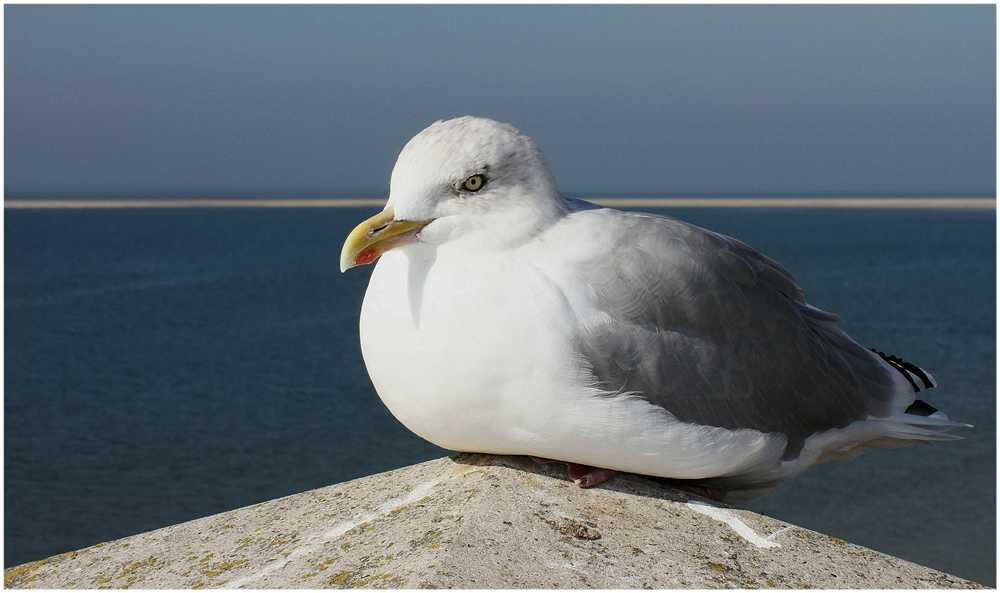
366,256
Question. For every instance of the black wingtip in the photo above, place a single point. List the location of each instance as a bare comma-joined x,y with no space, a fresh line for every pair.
907,369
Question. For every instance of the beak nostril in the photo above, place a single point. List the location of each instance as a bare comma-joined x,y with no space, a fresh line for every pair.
377,230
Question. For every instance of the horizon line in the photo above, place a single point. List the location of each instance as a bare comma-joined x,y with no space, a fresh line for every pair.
845,203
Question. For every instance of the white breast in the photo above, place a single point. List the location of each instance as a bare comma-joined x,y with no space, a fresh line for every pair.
430,339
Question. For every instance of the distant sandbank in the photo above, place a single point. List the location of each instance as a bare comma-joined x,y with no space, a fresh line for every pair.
874,203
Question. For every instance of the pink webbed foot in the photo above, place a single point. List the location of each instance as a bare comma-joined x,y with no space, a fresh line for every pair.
583,476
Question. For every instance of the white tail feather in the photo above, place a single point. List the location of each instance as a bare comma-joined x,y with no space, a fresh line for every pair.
936,419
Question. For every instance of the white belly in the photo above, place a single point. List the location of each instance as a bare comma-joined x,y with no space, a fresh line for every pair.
433,351
475,354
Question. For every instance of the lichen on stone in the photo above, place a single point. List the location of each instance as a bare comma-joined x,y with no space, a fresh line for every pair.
217,568
20,575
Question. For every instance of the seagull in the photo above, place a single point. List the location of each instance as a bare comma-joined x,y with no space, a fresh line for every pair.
504,318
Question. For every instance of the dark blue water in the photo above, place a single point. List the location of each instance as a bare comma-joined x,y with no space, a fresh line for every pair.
166,365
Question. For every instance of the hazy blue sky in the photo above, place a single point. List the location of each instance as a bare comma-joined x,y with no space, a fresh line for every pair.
316,101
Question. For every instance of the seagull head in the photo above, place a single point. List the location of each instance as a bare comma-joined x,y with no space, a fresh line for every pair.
467,178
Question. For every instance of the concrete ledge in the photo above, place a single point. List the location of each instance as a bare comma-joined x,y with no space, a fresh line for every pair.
477,521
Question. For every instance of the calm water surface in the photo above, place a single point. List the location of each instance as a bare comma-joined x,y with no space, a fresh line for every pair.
166,365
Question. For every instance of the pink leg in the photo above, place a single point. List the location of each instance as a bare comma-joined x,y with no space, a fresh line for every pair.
583,476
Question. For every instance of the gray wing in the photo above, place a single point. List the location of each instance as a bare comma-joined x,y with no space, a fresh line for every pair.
718,334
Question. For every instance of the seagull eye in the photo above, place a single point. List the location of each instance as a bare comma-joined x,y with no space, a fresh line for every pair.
474,183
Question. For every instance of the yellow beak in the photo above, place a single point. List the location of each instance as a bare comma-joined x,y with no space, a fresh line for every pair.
375,236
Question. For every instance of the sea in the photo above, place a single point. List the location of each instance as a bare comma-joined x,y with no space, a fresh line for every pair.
164,365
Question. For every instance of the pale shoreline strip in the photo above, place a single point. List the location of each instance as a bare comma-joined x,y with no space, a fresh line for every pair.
870,203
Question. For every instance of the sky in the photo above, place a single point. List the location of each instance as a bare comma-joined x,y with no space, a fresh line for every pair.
625,101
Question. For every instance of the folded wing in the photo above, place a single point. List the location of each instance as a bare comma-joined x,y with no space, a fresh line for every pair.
718,334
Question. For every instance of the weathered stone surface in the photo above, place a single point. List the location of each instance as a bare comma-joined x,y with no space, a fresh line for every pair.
480,522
